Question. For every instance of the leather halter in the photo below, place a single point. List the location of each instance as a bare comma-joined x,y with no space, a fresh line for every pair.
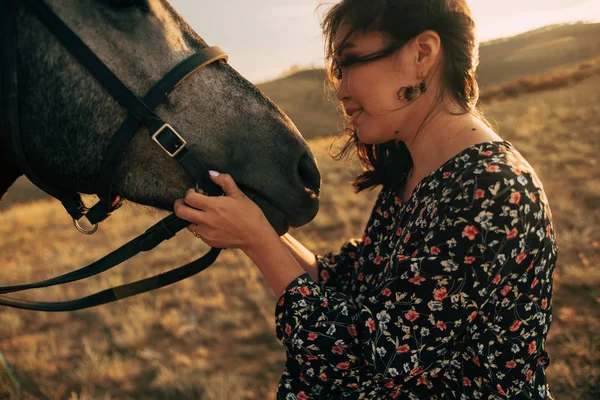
140,112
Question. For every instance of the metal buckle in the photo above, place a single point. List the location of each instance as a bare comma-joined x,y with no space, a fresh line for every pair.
174,132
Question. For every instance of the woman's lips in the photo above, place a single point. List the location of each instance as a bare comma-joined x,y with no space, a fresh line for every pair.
356,115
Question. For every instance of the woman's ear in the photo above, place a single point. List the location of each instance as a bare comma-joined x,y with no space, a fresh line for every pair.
428,46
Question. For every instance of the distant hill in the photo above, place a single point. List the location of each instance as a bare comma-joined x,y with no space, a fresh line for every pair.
303,97
536,52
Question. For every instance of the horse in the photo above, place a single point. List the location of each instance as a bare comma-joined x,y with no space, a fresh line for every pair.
67,118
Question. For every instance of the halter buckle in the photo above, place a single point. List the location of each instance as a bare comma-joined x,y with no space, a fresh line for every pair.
169,140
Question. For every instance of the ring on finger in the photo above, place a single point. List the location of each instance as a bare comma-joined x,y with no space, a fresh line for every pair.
194,231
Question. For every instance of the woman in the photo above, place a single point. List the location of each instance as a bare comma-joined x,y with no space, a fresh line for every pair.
447,294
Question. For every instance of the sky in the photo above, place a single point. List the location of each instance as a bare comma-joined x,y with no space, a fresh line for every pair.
264,38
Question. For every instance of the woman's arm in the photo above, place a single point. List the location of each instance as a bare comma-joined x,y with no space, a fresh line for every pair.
304,257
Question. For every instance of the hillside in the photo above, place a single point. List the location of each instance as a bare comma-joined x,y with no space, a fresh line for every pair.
211,337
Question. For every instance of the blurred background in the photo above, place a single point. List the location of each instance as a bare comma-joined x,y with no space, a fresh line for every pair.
213,336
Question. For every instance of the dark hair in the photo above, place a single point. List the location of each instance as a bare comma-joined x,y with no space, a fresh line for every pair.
401,21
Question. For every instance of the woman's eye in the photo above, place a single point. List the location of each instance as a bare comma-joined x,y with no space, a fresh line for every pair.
337,72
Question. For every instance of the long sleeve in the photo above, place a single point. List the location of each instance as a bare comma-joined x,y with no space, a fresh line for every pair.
413,322
335,269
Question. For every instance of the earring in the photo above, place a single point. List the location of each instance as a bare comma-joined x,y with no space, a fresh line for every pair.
411,93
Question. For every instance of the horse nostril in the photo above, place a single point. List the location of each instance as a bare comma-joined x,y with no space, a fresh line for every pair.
309,174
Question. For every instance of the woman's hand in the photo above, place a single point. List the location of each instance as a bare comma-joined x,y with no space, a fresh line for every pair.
229,221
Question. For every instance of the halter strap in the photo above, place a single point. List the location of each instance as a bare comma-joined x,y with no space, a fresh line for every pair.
139,111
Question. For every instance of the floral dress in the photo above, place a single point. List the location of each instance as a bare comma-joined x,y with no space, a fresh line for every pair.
446,296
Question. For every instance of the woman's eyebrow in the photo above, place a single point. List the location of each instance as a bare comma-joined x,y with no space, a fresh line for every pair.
347,45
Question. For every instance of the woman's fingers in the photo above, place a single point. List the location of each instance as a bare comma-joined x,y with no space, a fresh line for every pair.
198,200
192,214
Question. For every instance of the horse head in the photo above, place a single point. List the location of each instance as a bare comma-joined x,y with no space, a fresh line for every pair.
67,119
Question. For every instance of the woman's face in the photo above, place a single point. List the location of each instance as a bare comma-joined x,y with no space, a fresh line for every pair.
369,89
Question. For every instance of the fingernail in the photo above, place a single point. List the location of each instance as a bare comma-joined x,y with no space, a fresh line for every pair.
213,173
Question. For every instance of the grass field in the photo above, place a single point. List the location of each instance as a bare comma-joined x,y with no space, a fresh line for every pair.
212,336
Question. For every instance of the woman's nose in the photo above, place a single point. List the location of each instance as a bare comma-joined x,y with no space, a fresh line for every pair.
342,90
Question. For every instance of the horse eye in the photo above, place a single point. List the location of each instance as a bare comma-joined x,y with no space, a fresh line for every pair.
123,3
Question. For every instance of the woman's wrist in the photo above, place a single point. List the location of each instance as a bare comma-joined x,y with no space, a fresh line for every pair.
274,261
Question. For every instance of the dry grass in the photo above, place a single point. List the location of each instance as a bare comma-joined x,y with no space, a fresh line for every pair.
212,336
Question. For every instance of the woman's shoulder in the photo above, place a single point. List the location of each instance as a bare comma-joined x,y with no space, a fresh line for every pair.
498,172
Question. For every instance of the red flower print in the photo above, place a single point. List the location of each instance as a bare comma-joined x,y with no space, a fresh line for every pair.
548,231
500,390
534,283
402,258
389,385
435,250
302,396
385,214
323,377
352,330
532,347
447,175
371,325
407,238
288,329
479,193
469,259
324,275
466,381
360,276
440,294
378,260
476,361
470,232
530,266
325,303
337,350
367,241
505,290
511,364
492,168
515,325
441,325
281,301
497,279
544,303
403,349
399,231
487,153
416,371
304,291
411,315
416,280
312,336
344,365
512,234
422,379
517,170
515,198
312,358
352,255
533,197
528,374
472,316
386,292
